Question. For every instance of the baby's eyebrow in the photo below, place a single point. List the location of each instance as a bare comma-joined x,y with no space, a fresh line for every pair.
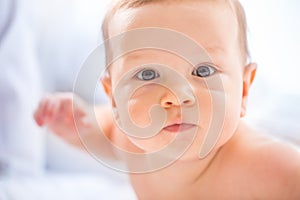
193,56
214,48
133,55
140,54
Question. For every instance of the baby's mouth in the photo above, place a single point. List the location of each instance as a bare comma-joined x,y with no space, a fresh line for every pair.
174,128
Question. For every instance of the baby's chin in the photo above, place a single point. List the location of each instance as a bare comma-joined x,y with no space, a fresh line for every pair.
173,154
155,144
189,156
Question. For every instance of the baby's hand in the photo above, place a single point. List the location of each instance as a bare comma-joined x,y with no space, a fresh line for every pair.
64,114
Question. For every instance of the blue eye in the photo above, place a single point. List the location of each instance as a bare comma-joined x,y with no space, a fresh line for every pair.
204,71
147,75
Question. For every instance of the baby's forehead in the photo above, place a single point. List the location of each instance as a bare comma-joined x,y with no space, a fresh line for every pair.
188,39
191,19
175,9
130,16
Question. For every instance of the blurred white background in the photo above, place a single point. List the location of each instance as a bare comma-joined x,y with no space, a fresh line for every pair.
43,44
274,41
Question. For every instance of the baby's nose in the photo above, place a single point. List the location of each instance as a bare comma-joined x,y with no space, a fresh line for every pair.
169,99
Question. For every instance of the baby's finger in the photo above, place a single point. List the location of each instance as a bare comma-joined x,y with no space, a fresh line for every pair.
56,109
46,109
37,117
67,107
50,109
39,113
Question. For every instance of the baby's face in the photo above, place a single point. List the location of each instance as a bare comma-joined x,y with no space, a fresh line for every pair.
212,26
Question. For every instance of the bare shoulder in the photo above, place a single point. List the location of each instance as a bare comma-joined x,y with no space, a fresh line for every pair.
276,165
263,167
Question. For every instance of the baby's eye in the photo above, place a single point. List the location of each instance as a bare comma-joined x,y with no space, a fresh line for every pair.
147,75
204,70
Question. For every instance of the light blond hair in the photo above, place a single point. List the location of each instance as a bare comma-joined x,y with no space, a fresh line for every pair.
238,9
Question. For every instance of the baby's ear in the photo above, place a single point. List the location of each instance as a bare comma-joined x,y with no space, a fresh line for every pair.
248,77
106,84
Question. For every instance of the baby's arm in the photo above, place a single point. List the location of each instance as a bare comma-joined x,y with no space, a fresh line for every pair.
55,111
66,114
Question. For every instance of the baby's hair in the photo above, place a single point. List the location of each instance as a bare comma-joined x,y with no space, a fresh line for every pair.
235,5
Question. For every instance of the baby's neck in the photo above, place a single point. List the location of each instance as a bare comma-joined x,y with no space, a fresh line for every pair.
181,178
193,170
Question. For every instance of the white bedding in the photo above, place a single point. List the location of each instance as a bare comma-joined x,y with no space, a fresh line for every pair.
65,187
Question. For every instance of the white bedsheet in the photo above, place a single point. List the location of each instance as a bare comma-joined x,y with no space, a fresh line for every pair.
65,187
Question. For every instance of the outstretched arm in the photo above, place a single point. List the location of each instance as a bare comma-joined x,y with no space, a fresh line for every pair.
68,116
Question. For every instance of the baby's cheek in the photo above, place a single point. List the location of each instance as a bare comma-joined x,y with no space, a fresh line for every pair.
231,117
205,108
139,112
219,114
140,104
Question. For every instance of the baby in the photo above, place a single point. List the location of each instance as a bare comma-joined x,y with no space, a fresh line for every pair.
200,98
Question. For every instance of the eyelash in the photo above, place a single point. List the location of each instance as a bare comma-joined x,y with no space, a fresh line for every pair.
212,70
